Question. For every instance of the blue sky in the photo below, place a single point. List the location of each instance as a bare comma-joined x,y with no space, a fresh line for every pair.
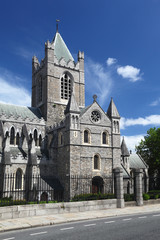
120,39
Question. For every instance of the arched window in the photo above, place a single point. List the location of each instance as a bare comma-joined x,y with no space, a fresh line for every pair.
60,139
40,90
30,136
12,136
65,86
86,136
105,138
117,127
40,140
18,184
35,137
17,139
114,126
96,162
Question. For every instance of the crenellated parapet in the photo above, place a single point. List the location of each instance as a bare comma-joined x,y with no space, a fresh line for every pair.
56,126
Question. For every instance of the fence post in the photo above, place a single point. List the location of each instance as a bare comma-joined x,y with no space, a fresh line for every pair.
118,187
138,187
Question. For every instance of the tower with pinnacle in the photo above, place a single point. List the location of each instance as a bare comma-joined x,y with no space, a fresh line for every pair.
54,78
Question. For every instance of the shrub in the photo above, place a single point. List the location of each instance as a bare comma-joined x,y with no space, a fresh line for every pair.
128,197
146,196
92,196
156,196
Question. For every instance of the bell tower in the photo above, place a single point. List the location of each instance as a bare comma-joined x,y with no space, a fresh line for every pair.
54,77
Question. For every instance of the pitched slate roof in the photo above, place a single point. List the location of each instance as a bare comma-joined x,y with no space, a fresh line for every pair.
20,111
60,48
124,149
83,110
112,110
135,161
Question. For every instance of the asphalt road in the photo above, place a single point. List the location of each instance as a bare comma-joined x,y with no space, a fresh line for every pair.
140,227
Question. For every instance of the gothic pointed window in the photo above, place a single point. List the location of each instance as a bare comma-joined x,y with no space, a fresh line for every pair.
18,184
12,136
40,140
96,162
65,86
60,139
35,137
86,136
105,138
17,139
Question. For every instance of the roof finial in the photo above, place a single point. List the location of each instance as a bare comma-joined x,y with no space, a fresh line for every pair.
94,98
57,21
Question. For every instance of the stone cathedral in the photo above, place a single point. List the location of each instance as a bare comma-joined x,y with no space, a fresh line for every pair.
58,137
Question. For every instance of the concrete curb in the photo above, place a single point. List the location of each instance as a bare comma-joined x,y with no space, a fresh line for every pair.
31,222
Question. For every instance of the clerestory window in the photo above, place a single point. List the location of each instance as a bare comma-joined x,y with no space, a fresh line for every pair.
12,136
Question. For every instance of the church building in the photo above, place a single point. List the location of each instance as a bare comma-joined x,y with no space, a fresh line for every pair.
72,147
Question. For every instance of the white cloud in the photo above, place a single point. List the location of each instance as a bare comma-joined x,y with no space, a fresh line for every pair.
98,80
111,61
11,92
24,53
149,120
130,72
132,141
155,103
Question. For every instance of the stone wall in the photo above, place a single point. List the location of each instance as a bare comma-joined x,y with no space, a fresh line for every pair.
12,212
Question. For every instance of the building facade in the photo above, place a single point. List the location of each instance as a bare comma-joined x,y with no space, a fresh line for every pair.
59,138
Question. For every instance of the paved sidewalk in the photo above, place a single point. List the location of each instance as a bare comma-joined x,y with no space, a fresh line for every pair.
37,221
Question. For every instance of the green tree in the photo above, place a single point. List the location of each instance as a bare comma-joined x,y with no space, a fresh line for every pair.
149,149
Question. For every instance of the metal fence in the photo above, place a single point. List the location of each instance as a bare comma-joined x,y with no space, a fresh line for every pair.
23,189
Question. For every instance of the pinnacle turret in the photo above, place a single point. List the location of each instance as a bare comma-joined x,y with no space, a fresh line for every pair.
112,111
124,149
72,105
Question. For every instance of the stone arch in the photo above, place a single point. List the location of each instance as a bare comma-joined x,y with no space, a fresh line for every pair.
44,196
87,136
97,184
66,85
96,162
105,137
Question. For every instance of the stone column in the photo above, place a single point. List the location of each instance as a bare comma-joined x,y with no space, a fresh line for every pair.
138,187
118,187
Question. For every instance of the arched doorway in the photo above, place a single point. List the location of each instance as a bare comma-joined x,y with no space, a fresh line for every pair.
44,196
97,184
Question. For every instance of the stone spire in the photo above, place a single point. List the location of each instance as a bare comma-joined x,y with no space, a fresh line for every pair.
72,105
124,149
112,111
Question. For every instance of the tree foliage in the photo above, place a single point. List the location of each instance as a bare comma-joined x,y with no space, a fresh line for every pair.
149,149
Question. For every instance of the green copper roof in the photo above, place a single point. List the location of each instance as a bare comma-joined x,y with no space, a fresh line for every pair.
20,111
61,49
136,162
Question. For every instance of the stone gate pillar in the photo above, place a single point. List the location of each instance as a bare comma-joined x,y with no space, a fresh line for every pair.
118,186
138,187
